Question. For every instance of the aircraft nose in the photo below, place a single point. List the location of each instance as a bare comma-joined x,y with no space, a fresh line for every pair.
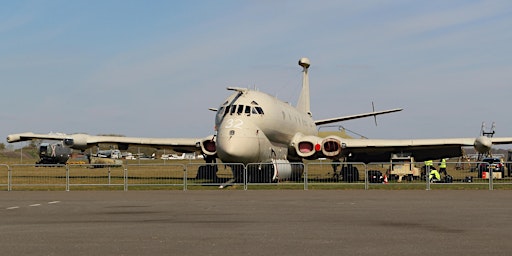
238,146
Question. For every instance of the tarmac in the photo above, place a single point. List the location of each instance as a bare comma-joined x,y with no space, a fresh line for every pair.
259,222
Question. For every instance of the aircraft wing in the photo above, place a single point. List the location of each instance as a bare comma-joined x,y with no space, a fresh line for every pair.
345,118
380,150
83,141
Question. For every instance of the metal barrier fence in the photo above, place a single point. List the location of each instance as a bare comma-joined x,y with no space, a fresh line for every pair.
201,175
5,177
277,175
85,176
169,176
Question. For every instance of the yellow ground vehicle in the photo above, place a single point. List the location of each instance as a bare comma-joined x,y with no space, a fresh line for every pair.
403,166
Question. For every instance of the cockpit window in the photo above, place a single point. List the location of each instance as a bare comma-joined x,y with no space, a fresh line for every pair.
240,109
226,111
259,110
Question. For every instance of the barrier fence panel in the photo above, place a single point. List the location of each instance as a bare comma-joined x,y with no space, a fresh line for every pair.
506,179
5,177
451,175
276,175
215,175
474,175
85,176
313,175
336,175
32,177
404,175
155,176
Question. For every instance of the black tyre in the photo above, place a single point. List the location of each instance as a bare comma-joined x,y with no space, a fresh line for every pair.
374,176
350,174
207,172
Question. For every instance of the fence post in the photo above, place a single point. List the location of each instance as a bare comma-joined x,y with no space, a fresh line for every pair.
490,178
305,176
9,178
109,176
125,178
245,176
67,178
427,176
185,177
365,177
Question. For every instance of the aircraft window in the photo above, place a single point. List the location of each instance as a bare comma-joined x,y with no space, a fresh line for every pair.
254,103
248,110
254,112
240,109
260,110
226,110
233,108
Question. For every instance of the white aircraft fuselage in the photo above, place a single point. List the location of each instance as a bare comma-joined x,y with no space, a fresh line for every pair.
254,127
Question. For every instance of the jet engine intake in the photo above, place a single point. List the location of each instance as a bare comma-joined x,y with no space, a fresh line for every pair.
331,147
307,147
209,147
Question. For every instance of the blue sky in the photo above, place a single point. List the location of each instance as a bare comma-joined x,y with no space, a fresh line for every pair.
153,68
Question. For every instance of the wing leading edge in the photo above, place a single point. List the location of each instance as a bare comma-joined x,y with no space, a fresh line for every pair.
84,141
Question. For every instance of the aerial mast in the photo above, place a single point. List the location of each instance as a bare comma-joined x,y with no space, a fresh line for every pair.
304,99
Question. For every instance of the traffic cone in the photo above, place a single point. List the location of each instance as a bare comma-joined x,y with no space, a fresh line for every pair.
385,179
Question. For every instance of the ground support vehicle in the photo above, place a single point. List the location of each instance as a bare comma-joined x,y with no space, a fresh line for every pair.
403,166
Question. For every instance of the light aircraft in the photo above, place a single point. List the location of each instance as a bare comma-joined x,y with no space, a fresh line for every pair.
255,127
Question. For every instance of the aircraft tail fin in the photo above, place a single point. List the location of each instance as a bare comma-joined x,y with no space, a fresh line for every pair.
304,99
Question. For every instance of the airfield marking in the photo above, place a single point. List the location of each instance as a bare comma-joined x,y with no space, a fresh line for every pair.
32,205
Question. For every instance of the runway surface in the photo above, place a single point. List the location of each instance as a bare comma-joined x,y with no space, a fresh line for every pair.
282,222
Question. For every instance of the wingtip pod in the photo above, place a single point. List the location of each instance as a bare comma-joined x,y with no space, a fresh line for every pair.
11,138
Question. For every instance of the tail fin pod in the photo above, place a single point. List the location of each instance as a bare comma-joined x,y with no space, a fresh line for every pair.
304,99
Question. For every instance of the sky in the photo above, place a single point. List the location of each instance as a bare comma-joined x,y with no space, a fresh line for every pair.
153,68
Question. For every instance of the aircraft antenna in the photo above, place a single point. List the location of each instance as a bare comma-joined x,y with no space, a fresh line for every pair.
303,103
375,116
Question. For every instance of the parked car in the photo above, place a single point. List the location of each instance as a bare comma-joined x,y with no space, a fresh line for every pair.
493,163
